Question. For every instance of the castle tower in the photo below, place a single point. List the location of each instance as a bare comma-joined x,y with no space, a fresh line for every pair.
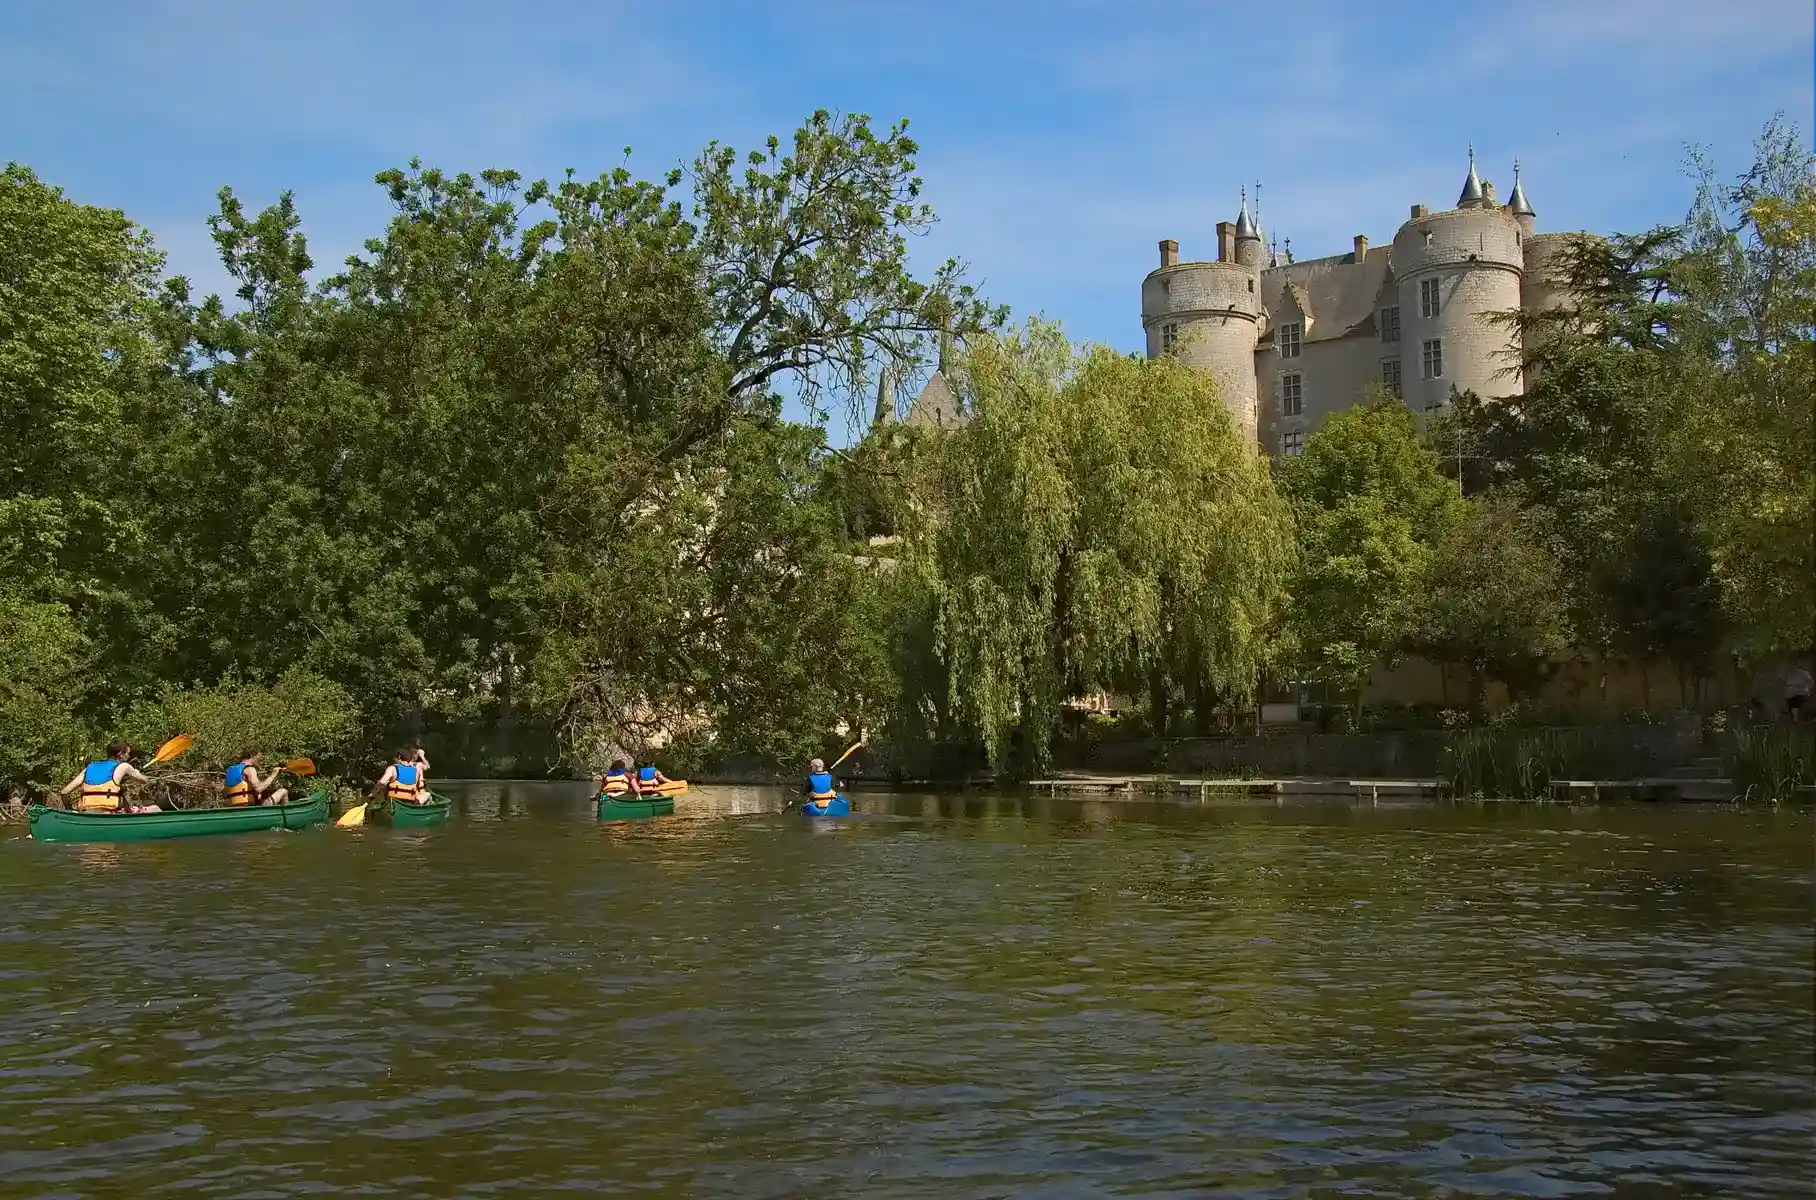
1208,314
1455,270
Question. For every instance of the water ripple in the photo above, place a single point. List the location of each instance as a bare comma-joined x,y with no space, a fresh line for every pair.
952,997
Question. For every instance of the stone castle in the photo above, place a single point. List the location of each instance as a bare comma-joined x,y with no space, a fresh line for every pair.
1291,342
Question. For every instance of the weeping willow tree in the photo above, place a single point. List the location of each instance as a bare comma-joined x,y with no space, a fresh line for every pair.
1098,520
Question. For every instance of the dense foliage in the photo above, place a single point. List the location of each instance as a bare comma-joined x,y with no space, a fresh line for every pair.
520,466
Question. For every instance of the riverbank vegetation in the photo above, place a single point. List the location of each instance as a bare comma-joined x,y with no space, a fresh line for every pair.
519,473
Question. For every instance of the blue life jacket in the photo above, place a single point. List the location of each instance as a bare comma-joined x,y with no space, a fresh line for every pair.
239,788
99,791
646,774
403,787
821,783
616,783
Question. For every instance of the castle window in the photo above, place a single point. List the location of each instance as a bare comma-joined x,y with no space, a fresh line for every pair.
1289,340
1429,300
1390,375
1292,443
1169,338
1251,287
1390,324
1432,358
1292,395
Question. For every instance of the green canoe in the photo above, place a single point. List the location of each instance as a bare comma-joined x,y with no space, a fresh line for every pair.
411,816
62,825
619,808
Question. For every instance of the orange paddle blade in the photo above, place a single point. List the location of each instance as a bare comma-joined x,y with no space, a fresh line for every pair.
171,749
300,766
848,753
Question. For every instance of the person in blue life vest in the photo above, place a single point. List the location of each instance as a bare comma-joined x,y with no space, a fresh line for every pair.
103,783
821,787
402,782
244,785
648,780
616,781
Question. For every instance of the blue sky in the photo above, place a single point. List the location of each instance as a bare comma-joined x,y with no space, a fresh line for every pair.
1060,140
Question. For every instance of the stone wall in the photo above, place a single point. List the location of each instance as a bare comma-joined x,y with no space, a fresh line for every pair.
1400,754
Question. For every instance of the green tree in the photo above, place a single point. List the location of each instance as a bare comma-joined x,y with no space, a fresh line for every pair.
1369,501
1099,518
1494,598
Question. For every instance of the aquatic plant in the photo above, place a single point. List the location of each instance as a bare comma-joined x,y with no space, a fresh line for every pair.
1516,764
1770,764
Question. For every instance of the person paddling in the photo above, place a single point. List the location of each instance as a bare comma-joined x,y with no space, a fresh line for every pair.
617,780
648,780
402,780
103,783
820,786
244,786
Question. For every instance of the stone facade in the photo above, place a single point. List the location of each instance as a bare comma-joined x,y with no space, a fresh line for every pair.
1290,343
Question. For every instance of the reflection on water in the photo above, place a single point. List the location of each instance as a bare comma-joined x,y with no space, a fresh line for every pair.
980,995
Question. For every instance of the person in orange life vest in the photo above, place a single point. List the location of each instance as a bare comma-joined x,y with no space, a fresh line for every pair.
245,787
648,780
617,780
820,785
102,783
402,780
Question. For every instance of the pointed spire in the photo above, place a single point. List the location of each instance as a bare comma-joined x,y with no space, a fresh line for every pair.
1245,226
1472,187
1517,204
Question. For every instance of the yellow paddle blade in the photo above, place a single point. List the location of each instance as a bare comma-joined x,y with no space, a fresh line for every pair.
300,766
848,753
353,816
673,787
171,749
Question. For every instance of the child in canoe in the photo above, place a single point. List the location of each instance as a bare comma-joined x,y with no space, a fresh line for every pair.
103,783
648,780
404,781
616,781
244,786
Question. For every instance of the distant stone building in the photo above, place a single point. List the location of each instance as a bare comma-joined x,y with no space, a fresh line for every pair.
1289,342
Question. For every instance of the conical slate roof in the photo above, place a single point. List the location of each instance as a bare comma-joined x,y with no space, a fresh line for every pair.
1472,187
1517,203
1245,225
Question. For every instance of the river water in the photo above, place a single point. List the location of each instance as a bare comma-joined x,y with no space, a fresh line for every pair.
943,997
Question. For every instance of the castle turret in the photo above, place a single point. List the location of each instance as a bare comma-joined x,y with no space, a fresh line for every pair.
1248,236
1472,186
1208,314
1518,205
1455,270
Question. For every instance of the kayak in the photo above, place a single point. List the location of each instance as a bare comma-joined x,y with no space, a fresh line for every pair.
633,808
63,825
838,806
411,816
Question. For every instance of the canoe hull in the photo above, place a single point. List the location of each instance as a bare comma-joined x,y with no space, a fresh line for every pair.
62,825
838,806
412,816
615,808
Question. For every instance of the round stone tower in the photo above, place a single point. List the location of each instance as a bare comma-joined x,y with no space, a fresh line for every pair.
1455,269
1208,315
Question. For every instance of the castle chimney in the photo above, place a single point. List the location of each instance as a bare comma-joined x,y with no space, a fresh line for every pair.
1226,241
1169,252
1488,194
1361,247
1419,212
